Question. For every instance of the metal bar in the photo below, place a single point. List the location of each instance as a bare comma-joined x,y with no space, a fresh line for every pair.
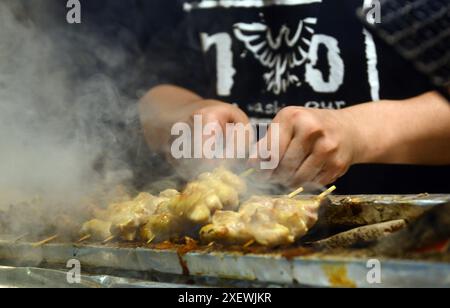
317,270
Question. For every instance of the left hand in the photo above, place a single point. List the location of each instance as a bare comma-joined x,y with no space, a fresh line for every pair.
315,145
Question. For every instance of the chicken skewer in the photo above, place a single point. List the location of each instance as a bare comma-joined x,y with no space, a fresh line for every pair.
109,239
171,215
266,221
326,193
63,226
95,229
296,193
212,191
292,195
84,238
46,241
122,220
194,207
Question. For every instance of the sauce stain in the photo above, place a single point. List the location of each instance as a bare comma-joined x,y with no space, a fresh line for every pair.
338,276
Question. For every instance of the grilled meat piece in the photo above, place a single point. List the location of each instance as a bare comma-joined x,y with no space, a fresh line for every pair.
163,227
171,214
185,213
268,221
227,227
127,217
217,190
124,219
99,230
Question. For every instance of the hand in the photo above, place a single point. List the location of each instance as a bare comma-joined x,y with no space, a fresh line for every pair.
210,112
219,113
315,145
166,105
213,111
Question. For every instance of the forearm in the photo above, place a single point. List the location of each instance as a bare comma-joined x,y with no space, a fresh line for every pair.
414,131
160,108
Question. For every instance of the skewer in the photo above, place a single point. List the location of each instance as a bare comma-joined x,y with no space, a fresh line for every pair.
211,244
249,243
151,240
109,239
84,238
247,173
41,243
326,193
296,193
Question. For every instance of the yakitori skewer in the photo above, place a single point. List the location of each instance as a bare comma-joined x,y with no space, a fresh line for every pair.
46,241
296,193
84,238
109,239
326,193
267,221
249,243
158,218
151,240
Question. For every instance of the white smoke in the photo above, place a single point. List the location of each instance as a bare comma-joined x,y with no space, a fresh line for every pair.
52,122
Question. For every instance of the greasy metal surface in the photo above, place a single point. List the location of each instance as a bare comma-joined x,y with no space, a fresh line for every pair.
29,277
321,270
420,200
314,270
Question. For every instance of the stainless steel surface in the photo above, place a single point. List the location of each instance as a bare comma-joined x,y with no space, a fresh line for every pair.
29,277
314,270
419,200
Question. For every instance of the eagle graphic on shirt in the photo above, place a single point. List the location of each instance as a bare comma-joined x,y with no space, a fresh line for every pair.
281,53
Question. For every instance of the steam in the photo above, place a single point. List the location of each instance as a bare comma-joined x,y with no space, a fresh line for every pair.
58,119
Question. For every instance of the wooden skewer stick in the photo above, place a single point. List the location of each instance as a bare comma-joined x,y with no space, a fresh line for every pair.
41,243
249,243
109,239
247,173
84,238
151,240
296,193
326,193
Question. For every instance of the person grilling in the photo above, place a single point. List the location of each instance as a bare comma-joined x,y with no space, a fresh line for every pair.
350,110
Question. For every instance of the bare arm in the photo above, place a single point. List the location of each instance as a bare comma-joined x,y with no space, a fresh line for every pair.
318,145
160,108
414,131
165,105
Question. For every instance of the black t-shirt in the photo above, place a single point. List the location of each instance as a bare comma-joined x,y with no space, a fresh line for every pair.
264,55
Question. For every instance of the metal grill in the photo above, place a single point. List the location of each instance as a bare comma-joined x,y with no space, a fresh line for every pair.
420,31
